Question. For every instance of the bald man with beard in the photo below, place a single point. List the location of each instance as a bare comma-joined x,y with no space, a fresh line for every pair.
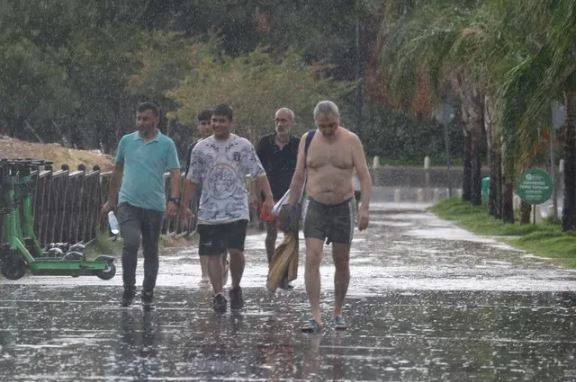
278,155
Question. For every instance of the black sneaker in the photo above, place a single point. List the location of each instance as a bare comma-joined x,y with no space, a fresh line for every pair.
235,295
219,303
147,300
127,297
284,285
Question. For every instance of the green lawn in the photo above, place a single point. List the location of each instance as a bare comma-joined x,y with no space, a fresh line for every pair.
544,239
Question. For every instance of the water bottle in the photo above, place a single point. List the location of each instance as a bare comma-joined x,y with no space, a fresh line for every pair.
113,223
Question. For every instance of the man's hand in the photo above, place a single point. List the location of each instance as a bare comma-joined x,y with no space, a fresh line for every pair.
267,206
289,218
107,207
186,214
171,209
363,217
255,204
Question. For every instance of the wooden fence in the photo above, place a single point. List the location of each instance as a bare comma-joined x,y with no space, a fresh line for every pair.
67,206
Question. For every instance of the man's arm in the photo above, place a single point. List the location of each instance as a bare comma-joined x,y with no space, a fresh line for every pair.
188,194
263,188
172,207
190,184
299,175
256,197
115,181
362,169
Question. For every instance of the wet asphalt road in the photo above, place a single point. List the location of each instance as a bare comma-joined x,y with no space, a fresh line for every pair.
427,301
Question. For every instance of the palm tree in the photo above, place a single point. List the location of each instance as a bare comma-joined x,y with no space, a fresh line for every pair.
540,67
519,54
421,39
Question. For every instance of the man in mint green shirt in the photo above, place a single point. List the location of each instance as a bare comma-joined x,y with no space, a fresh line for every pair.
141,161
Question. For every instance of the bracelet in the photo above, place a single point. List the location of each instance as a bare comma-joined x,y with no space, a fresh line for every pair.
175,200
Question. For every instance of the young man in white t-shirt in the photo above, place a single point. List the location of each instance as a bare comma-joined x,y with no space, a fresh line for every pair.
220,163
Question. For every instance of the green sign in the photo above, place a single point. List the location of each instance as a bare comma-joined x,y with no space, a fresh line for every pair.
535,186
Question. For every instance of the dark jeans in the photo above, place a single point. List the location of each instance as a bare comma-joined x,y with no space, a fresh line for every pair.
136,222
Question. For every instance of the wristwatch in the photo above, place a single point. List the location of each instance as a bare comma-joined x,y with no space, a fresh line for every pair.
175,200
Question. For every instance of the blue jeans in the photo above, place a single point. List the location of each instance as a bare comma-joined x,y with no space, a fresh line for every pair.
135,223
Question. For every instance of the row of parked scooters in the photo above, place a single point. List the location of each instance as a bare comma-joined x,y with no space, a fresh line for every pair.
20,250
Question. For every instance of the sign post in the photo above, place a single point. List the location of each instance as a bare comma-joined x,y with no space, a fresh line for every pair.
535,187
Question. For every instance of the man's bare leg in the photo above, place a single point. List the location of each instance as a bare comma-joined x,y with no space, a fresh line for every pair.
270,241
215,269
236,271
204,269
236,266
342,274
312,275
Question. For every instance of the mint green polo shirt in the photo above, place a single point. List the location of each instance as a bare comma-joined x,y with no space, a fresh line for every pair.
144,166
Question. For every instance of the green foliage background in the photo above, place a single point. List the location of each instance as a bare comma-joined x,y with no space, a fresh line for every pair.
72,72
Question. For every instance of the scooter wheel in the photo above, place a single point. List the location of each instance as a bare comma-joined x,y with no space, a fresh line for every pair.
13,266
107,273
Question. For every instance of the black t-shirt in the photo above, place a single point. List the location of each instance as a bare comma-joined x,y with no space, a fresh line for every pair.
279,164
185,162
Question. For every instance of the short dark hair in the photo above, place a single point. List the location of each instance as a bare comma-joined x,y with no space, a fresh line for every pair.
204,115
143,106
223,110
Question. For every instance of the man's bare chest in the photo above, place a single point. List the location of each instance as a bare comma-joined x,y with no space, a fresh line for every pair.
333,155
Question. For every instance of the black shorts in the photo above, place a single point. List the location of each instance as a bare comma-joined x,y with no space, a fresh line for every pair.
335,223
215,239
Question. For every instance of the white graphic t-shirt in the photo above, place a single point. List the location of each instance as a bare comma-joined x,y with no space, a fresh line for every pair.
221,168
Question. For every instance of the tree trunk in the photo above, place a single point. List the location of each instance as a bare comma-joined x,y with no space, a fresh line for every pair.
507,213
525,213
494,159
476,141
569,169
467,167
496,191
492,202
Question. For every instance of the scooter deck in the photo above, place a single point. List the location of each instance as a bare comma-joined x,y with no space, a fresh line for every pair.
66,268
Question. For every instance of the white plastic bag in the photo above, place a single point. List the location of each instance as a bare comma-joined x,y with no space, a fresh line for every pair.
282,201
304,202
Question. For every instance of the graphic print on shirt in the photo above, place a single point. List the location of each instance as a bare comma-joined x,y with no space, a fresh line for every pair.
221,181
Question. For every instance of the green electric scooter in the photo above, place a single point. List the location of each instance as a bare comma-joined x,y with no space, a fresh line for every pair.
19,247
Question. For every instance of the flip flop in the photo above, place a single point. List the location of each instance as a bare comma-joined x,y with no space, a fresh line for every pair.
339,323
311,326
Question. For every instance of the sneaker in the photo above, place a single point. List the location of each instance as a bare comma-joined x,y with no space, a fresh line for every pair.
127,297
147,300
235,295
219,303
284,285
339,323
311,326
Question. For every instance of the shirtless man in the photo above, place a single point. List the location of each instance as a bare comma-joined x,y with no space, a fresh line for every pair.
334,153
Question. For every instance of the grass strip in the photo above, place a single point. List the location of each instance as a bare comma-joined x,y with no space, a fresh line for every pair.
545,239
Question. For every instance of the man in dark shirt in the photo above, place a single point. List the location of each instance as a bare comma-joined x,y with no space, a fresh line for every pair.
278,155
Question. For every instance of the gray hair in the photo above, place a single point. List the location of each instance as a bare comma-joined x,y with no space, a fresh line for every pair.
326,108
287,110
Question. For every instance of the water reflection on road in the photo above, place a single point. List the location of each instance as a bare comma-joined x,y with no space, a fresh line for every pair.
421,307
